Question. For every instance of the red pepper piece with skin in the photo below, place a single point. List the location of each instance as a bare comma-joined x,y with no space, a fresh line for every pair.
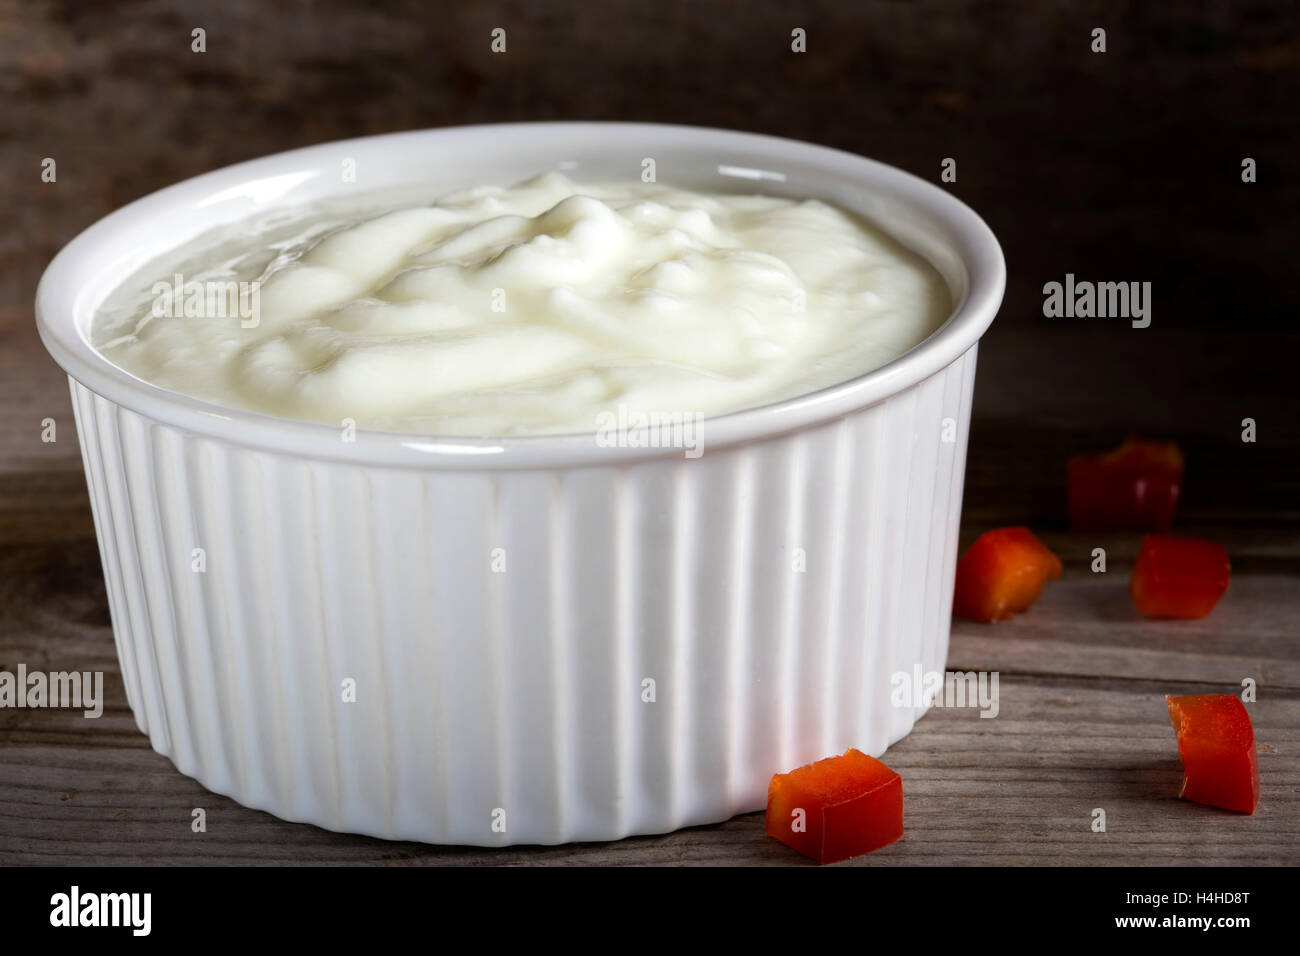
836,808
1216,744
1179,577
1133,488
1002,573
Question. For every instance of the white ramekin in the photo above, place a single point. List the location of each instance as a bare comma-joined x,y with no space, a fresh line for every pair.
509,706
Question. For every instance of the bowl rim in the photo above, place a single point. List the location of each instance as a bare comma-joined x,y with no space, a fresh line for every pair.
61,299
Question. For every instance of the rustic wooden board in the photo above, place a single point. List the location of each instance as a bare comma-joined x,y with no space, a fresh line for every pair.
1082,721
1020,788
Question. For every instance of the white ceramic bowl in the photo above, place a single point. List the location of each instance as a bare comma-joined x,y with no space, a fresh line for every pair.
499,707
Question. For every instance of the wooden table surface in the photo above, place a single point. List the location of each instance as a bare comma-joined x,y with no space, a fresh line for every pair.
1082,720
1119,166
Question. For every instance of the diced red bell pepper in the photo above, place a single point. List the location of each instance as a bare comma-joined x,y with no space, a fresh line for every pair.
1003,573
836,808
1179,577
1133,488
1216,744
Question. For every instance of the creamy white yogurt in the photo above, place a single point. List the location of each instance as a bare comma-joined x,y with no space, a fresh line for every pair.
527,309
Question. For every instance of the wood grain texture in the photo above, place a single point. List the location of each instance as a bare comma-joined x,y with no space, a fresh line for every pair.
1018,789
1082,721
1122,167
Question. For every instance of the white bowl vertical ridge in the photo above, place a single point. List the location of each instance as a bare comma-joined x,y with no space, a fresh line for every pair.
520,690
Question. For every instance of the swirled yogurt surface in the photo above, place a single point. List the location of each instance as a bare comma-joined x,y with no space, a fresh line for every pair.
531,308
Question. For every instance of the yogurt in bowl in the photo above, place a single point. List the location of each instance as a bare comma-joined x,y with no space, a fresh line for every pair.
464,617
525,309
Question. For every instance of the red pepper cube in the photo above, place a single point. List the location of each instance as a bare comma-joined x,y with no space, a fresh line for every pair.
1216,744
1135,487
836,808
1179,577
1002,573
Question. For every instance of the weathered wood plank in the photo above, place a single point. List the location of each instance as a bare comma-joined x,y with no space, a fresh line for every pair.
1019,788
1082,722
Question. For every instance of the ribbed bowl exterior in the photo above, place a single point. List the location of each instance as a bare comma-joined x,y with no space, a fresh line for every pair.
536,656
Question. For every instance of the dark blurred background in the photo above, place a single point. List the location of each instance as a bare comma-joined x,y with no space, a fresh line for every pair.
1122,166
